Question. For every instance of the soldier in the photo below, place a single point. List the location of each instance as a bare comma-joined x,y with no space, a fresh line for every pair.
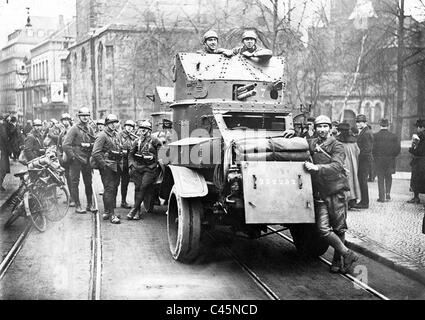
107,155
66,121
143,163
51,137
100,124
34,142
210,43
250,48
386,147
329,185
365,143
127,137
78,144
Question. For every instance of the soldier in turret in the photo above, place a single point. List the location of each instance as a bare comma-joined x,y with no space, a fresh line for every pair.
249,49
210,44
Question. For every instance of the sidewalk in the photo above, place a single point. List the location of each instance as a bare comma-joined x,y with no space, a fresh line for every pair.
11,182
391,232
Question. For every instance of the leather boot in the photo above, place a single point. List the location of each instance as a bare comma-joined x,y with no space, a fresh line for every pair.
132,213
349,258
90,207
125,205
79,209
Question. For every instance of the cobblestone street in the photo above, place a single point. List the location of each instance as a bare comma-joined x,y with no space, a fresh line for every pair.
395,225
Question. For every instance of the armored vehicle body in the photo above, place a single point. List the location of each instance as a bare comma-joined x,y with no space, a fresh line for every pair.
230,162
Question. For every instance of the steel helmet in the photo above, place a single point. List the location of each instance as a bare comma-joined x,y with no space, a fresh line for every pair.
84,111
130,123
249,34
322,119
54,121
111,118
145,125
66,116
209,34
100,121
37,122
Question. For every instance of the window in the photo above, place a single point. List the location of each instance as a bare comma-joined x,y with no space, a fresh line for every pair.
63,68
83,58
40,33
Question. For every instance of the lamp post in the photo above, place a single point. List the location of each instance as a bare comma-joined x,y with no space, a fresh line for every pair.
23,74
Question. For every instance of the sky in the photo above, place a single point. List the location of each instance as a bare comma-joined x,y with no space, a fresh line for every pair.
13,14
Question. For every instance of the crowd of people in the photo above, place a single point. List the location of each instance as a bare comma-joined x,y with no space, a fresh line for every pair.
121,152
364,150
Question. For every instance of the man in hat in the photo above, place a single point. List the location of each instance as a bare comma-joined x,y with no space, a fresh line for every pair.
309,132
386,147
417,149
352,151
329,186
365,143
4,153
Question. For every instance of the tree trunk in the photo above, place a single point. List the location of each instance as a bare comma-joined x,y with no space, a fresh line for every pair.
400,71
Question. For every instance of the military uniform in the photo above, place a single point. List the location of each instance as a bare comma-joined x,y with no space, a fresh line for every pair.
108,157
60,155
78,154
126,140
33,145
143,163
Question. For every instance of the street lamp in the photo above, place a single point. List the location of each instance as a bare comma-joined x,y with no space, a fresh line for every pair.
23,74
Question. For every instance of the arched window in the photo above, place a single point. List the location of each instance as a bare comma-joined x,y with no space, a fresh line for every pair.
378,112
100,63
83,58
367,111
75,59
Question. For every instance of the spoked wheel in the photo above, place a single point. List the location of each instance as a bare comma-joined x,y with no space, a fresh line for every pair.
56,203
184,227
307,240
34,211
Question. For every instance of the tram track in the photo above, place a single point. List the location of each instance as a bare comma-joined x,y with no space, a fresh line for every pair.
96,253
349,277
13,252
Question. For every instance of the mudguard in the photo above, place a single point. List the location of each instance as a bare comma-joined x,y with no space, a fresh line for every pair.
188,183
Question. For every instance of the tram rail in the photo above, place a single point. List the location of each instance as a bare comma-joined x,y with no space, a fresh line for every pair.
349,277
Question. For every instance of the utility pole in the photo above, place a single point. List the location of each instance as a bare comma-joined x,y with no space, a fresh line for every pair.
400,72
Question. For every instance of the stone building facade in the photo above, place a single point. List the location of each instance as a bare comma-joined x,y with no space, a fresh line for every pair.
124,51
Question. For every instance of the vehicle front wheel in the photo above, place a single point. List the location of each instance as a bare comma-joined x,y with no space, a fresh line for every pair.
307,240
184,226
34,211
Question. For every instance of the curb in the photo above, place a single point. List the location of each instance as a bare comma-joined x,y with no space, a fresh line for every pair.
373,250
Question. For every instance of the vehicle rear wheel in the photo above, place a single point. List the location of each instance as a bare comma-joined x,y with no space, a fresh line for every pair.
34,211
184,226
307,240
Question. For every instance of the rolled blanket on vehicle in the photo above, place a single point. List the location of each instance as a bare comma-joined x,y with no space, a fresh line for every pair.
272,149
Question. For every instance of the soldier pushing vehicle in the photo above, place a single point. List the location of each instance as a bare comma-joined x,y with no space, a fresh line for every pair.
329,184
78,144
